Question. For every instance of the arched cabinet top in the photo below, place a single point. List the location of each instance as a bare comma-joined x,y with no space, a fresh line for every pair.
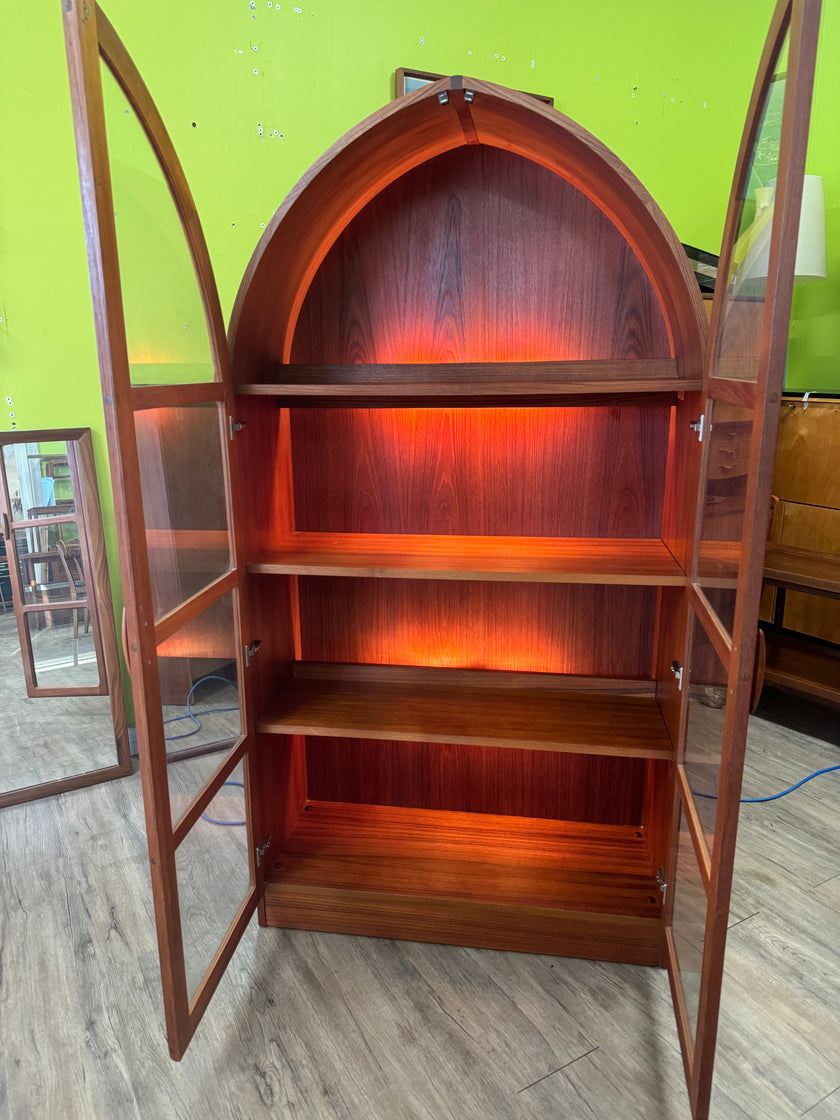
450,114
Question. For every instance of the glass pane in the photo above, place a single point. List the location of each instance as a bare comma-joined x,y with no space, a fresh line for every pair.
63,649
181,455
689,921
45,738
164,315
199,685
730,432
737,350
213,877
38,478
50,563
707,696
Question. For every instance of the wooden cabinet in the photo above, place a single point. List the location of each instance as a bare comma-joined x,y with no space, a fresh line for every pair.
803,560
471,401
496,627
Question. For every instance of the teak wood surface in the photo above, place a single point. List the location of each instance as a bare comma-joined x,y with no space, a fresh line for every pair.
425,706
591,560
463,384
758,341
90,41
515,133
458,878
442,240
807,667
530,627
422,775
542,472
803,569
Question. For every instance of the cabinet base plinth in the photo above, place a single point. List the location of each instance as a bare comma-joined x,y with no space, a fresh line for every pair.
605,937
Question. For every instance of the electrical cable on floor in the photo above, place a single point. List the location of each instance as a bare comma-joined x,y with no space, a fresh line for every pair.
225,824
209,712
775,796
191,714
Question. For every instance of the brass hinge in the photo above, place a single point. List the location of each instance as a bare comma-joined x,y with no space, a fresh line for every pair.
698,426
235,426
262,849
251,651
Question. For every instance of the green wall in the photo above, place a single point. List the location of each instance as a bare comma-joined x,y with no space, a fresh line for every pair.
253,92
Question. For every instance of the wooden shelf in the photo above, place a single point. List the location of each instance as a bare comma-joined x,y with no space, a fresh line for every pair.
513,559
802,569
475,382
532,711
807,667
468,879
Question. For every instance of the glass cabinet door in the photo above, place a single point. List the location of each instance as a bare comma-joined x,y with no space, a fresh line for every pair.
170,411
743,383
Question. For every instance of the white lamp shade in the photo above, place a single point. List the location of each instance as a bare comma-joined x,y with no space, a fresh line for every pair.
753,248
810,248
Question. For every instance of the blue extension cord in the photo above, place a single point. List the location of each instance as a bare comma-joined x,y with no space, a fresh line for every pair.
226,824
775,796
191,715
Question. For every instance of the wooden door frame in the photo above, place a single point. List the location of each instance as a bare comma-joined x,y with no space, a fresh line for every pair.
737,651
90,39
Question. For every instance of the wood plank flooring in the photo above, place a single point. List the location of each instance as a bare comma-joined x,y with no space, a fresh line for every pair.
33,744
311,1026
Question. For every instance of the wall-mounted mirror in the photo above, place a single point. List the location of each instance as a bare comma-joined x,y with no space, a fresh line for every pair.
64,721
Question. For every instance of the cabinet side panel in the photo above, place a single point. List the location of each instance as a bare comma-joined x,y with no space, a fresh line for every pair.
681,479
264,503
595,789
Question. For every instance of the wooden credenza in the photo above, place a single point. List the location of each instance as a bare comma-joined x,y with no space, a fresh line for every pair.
802,614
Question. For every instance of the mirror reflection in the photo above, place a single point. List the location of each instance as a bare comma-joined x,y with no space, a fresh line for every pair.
64,717
47,738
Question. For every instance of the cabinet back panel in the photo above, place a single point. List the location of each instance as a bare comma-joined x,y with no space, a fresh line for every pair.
595,789
590,630
479,255
568,472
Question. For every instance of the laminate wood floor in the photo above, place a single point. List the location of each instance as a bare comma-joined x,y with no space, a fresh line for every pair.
312,1026
35,745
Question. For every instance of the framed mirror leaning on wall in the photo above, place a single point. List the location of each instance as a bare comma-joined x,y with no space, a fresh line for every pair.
64,721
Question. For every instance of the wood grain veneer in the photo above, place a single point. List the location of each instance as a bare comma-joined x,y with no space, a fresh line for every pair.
807,667
534,627
514,559
461,878
514,131
402,378
425,706
624,381
479,255
597,789
791,45
578,472
463,225
807,559
807,453
801,568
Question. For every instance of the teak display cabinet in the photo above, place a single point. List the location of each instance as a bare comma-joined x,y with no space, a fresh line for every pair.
489,594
